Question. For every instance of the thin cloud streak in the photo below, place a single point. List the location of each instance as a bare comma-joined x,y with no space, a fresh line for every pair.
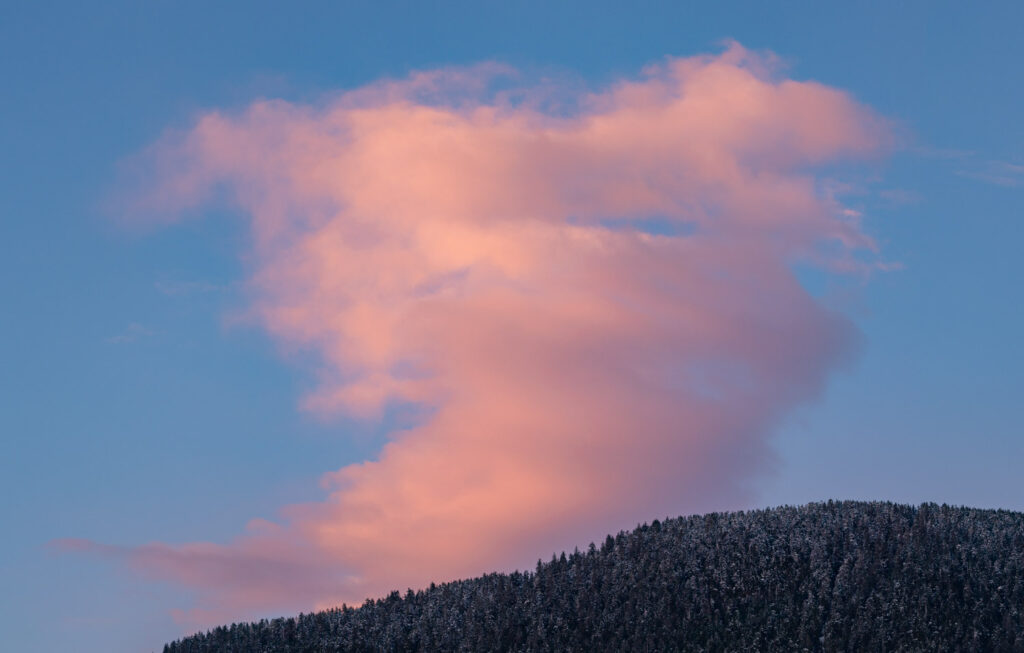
440,243
187,288
999,173
132,333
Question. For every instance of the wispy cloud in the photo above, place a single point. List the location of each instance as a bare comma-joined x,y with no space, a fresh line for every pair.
1000,173
185,288
943,153
439,244
900,196
132,333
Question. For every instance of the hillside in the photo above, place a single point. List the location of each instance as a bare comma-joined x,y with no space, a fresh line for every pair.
836,576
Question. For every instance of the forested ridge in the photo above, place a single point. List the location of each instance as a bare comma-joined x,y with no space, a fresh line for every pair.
836,576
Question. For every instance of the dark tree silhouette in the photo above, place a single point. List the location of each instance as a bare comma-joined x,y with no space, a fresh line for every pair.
836,576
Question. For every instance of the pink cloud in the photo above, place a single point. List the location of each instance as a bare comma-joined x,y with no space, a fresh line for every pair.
438,243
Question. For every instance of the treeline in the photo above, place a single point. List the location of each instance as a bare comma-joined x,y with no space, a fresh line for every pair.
836,576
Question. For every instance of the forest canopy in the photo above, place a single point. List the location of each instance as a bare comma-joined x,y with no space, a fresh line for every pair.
835,576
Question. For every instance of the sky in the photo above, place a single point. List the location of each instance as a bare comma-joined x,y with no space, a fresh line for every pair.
306,303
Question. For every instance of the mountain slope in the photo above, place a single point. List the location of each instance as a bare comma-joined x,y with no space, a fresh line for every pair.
836,576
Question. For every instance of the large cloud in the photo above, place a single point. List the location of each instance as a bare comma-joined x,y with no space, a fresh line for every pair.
595,306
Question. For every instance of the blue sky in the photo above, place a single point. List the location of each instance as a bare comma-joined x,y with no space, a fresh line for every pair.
136,409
